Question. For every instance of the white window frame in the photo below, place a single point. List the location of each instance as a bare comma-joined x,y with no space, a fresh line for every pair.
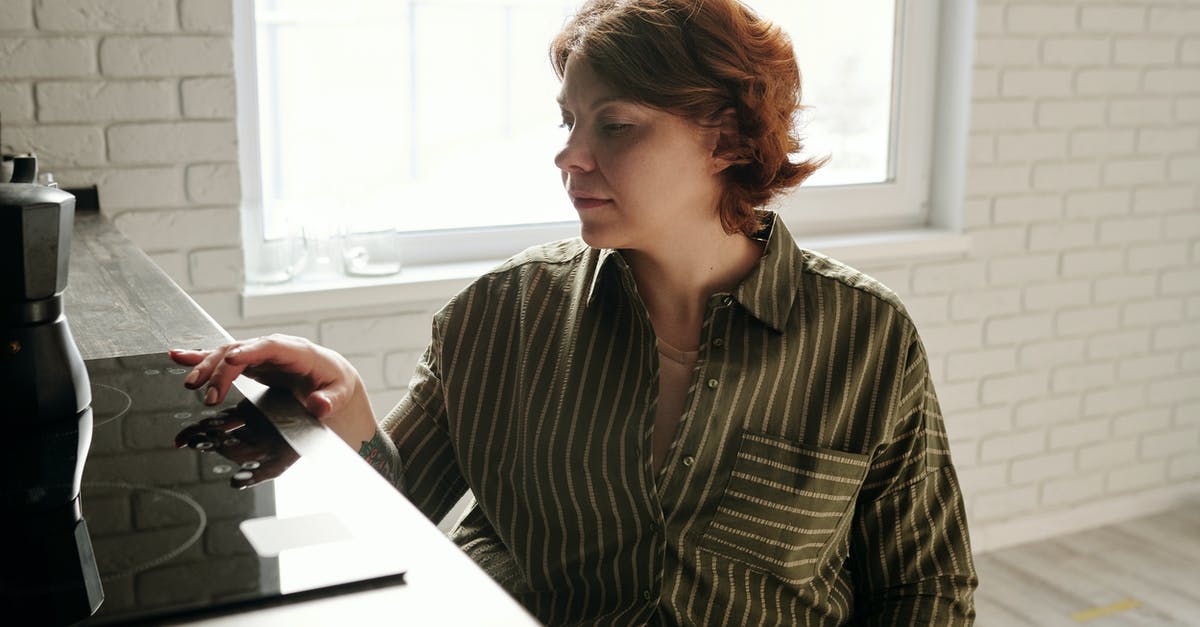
923,196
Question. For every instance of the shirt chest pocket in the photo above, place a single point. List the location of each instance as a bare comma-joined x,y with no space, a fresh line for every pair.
783,503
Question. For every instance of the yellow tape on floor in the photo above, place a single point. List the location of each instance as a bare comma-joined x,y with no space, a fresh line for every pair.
1106,610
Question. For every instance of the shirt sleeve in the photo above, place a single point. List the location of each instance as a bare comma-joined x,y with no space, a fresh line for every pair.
429,474
909,550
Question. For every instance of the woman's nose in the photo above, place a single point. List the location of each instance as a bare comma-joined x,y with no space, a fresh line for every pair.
575,156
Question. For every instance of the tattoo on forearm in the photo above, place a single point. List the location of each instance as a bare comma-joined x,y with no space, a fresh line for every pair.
381,457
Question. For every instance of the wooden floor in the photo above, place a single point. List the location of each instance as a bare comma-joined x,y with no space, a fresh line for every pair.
1141,572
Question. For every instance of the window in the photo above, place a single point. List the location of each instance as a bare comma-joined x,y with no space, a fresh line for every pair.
437,118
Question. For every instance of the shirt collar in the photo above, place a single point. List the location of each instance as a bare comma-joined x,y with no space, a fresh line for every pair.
768,291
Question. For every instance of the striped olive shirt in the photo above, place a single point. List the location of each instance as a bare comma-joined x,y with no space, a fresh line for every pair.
809,481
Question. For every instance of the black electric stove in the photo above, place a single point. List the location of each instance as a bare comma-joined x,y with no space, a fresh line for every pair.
194,508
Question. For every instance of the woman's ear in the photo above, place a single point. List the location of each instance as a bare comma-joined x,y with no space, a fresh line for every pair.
726,141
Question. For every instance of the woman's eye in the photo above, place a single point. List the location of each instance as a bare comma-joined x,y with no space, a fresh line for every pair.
616,128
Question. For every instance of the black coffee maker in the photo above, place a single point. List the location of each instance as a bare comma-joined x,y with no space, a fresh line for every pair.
47,568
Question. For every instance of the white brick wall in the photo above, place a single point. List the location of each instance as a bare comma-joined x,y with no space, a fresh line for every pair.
1065,346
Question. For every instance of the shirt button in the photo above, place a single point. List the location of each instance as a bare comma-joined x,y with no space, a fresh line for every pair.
646,594
728,300
653,528
688,460
713,383
719,342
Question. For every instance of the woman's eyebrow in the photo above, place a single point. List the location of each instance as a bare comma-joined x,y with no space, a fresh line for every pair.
562,101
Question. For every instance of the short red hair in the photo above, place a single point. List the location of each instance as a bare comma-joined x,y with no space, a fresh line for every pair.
696,59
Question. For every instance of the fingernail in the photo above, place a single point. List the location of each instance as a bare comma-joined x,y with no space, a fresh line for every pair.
191,378
210,397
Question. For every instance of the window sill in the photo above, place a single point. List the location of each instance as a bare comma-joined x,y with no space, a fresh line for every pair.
439,282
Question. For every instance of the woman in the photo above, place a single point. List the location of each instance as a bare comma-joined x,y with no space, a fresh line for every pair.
682,418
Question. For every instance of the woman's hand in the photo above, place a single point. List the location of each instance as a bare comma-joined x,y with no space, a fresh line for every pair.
324,382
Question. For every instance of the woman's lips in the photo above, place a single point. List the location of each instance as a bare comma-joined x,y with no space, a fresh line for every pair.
583,202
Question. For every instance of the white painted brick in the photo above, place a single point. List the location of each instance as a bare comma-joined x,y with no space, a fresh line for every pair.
1102,143
219,268
1148,313
1136,477
1042,412
1167,443
46,57
985,84
1118,343
1187,414
1068,114
975,364
1077,434
1022,270
402,331
980,478
1006,503
1181,388
1019,329
1013,445
213,183
1042,467
1074,52
1162,255
1035,83
1095,203
182,228
370,370
1087,320
1003,115
1185,466
981,149
1113,19
1050,353
1172,81
980,421
1013,387
1183,168
1108,82
1123,287
224,306
306,330
1066,175
138,188
1164,199
965,452
1025,209
209,97
172,142
399,367
1114,452
941,338
976,213
1167,337
1179,281
1141,51
1096,262
1149,367
1189,360
209,16
1192,307
16,101
1187,109
16,15
1031,146
1061,235
1072,489
58,146
166,56
1158,141
1175,20
383,401
954,397
1183,225
996,179
928,309
971,305
1140,229
174,263
1140,111
1134,171
96,16
946,276
1189,52
1005,51
106,101
997,240
1036,19
989,20
1080,378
